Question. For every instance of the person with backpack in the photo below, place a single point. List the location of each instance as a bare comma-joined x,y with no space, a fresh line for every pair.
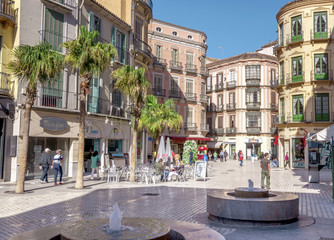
286,160
57,166
44,164
241,158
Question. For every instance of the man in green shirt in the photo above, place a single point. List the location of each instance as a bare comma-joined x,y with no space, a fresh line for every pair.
265,173
161,169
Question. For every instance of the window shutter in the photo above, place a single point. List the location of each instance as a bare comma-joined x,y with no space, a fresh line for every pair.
91,22
124,55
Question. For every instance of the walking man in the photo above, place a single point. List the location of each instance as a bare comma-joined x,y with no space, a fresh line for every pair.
241,158
225,155
265,173
221,155
57,166
286,160
44,164
215,154
191,157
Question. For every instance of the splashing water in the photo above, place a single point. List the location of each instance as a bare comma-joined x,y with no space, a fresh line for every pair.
115,220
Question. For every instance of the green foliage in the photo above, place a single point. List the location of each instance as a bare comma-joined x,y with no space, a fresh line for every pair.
156,117
36,63
190,144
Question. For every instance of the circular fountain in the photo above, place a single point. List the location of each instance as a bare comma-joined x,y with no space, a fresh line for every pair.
252,204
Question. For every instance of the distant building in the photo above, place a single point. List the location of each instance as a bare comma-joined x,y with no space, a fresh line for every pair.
242,105
305,84
178,71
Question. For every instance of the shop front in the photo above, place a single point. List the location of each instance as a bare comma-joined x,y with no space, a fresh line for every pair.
298,153
230,146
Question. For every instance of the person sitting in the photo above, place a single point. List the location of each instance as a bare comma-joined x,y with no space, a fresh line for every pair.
178,171
274,162
159,167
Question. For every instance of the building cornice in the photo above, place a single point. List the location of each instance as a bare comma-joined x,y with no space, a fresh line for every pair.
300,3
170,37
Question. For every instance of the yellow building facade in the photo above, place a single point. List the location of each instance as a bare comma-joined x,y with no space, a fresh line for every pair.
305,84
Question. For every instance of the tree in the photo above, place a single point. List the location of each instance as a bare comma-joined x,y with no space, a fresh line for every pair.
89,57
134,84
155,117
190,144
33,64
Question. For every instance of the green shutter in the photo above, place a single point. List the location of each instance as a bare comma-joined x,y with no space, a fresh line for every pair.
94,96
0,43
91,22
124,55
53,28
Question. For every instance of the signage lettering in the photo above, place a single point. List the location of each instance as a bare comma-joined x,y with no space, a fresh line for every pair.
53,124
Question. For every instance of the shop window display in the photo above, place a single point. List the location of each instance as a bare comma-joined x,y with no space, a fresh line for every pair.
298,158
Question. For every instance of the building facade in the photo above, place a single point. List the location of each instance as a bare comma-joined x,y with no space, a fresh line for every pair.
242,105
55,115
305,84
178,71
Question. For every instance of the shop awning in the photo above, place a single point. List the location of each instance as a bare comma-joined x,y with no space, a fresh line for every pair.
324,135
232,141
214,144
191,138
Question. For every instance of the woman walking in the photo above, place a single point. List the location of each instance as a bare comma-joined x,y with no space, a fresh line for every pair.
286,160
95,164
57,166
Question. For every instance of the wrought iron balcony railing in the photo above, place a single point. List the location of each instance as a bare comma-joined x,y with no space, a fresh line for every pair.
176,66
159,62
191,68
253,130
204,127
190,126
253,105
67,3
322,76
211,108
295,79
149,3
231,130
294,39
231,84
230,106
143,47
190,96
204,71
174,94
220,108
219,87
159,92
252,82
7,13
220,131
203,98
123,55
209,88
321,35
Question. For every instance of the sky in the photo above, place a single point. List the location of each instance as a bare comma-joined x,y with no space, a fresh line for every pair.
232,26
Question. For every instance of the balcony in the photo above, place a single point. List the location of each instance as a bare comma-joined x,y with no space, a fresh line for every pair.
219,87
4,83
7,14
295,118
252,82
230,107
174,94
253,130
273,130
159,62
116,111
123,56
203,98
190,126
230,131
282,118
212,132
209,89
211,108
297,79
220,131
176,66
253,105
273,107
191,68
159,92
59,99
190,96
204,72
279,46
143,47
320,36
231,84
322,76
148,3
220,108
290,40
204,127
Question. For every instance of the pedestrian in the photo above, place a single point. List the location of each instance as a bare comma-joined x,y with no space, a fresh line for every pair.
215,155
261,156
265,172
44,164
221,155
225,155
210,155
286,160
57,166
96,162
241,157
234,155
191,155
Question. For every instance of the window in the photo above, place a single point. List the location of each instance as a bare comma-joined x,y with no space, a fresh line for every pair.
272,75
321,66
220,100
273,98
189,87
232,98
203,117
209,122
209,100
94,22
298,108
253,120
158,29
53,28
190,60
158,53
253,72
253,95
189,115
119,42
220,121
157,84
116,99
282,110
139,30
273,121
320,25
203,88
232,76
94,96
322,107
281,68
232,121
297,69
208,83
174,84
53,92
296,29
174,33
281,34
175,56
190,37
219,79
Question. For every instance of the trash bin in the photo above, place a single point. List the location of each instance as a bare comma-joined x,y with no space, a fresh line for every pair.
313,173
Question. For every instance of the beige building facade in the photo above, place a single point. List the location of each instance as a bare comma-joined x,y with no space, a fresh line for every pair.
305,84
178,71
242,105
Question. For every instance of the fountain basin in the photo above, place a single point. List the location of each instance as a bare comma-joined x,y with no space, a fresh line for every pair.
276,207
247,192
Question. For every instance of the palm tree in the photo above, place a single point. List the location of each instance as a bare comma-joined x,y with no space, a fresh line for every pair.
88,56
134,84
157,117
33,64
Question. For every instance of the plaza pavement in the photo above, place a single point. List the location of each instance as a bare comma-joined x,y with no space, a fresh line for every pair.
46,205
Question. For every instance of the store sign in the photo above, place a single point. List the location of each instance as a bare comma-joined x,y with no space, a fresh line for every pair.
53,124
92,132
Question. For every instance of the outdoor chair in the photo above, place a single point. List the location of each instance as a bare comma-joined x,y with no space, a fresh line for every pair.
114,174
181,176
